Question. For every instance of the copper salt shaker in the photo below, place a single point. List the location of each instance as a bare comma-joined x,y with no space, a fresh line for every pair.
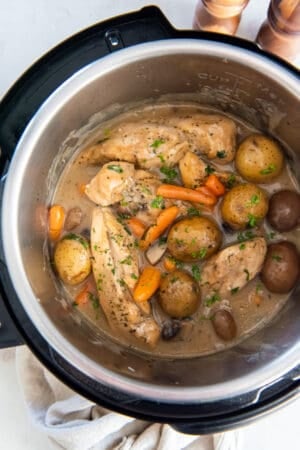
220,16
280,33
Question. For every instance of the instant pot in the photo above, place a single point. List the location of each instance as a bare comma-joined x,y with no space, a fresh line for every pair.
122,61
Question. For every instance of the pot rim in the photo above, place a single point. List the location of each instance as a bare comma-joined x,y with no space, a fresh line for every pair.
221,391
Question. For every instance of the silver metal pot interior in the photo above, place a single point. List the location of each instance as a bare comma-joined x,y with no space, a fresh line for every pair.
229,78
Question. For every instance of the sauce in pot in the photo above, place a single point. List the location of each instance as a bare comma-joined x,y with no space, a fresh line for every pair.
119,188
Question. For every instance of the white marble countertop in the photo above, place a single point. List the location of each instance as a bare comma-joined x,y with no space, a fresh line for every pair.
27,30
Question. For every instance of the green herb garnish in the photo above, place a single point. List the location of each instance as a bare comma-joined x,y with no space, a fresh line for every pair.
247,274
94,300
157,202
231,181
133,276
252,220
200,253
213,299
271,235
157,143
193,212
196,272
127,260
115,168
221,154
276,258
242,247
258,288
78,238
254,200
270,169
248,235
209,170
170,174
234,290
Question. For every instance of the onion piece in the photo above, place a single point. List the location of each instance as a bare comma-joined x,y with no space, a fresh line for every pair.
156,252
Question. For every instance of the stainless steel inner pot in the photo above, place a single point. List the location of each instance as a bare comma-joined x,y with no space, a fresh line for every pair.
233,80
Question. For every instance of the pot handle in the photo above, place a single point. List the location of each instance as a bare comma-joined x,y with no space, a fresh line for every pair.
9,336
48,73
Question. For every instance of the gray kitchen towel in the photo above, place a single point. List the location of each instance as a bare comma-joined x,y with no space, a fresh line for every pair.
75,423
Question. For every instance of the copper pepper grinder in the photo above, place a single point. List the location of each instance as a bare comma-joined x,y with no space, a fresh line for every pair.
220,16
280,33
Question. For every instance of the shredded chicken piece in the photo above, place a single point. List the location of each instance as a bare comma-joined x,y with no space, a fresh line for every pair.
233,267
115,268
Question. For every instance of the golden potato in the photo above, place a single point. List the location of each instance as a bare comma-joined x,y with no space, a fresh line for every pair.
72,259
179,295
195,238
244,206
259,159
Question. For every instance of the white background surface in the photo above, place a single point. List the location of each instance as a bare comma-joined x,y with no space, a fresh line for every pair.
28,28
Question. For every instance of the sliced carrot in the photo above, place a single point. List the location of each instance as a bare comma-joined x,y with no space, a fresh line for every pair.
136,226
165,218
183,193
215,185
85,295
169,264
56,221
147,284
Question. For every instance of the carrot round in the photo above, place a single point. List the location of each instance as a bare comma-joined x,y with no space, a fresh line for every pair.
83,297
165,218
147,284
56,221
169,264
136,226
215,185
186,194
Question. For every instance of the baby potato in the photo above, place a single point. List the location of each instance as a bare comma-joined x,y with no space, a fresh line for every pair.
259,159
244,206
72,259
179,295
195,238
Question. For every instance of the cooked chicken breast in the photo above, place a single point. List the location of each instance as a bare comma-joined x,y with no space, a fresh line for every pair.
211,135
233,267
107,186
115,268
151,145
146,144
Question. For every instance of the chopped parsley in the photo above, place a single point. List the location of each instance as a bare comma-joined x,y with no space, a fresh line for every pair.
193,212
248,235
231,181
78,238
247,274
271,235
94,300
252,220
170,174
162,240
258,288
127,260
157,143
174,279
270,169
221,154
242,246
161,157
234,290
157,202
200,253
133,276
209,170
115,168
213,299
121,282
254,200
196,272
276,258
